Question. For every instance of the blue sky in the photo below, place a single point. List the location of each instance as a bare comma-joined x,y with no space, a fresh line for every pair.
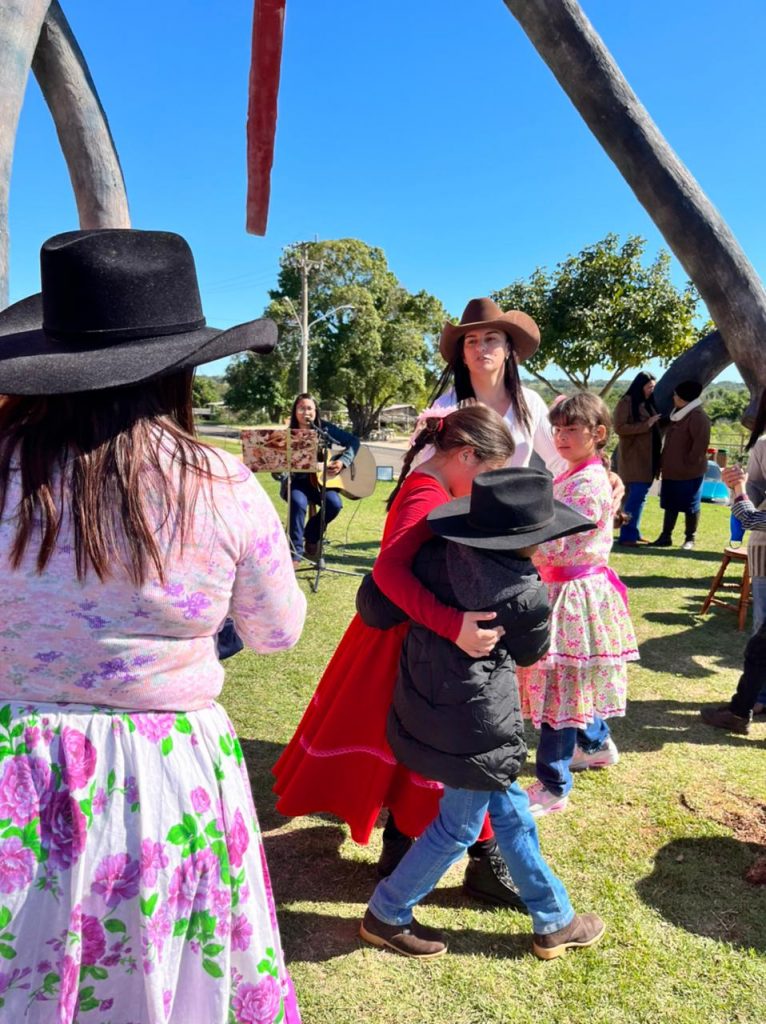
430,128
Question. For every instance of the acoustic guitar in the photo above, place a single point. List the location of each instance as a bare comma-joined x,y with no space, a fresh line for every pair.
355,481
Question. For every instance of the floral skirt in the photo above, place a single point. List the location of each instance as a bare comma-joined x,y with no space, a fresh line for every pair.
133,883
584,674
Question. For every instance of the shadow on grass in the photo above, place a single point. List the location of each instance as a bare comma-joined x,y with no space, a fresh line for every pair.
314,938
648,552
306,866
260,757
666,583
651,724
692,638
698,884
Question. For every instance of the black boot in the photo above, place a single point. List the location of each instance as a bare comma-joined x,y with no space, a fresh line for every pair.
487,878
692,521
665,539
395,845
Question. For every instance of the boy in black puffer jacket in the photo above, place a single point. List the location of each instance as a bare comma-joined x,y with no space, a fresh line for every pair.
457,719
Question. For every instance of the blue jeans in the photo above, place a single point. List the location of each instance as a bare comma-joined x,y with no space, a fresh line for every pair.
302,494
555,750
446,839
758,590
635,499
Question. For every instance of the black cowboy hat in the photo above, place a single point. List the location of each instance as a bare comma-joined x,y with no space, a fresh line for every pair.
117,306
507,509
523,332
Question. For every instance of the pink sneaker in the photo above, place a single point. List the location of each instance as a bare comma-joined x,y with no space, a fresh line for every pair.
542,801
606,755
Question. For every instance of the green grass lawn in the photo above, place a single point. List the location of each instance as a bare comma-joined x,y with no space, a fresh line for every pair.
659,845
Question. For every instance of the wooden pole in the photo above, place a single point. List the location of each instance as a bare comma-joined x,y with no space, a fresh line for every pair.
20,25
86,141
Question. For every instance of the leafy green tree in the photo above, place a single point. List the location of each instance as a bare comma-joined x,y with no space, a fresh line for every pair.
204,392
726,404
373,354
603,308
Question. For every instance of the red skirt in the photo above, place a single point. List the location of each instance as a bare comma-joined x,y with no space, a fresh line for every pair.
339,760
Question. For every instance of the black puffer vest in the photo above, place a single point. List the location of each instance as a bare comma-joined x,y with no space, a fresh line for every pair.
457,719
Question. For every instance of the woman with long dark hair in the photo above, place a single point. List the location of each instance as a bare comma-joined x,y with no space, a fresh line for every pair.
483,353
305,489
131,866
636,422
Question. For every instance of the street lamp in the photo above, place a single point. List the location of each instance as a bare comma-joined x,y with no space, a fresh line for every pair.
305,328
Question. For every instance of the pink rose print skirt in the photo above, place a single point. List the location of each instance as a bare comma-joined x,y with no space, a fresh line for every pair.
133,883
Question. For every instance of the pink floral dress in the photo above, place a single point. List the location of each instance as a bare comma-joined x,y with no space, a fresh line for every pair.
133,883
584,674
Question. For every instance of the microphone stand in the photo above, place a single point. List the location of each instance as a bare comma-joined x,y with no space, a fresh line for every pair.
320,566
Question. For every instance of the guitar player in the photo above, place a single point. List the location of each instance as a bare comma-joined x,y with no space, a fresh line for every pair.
305,488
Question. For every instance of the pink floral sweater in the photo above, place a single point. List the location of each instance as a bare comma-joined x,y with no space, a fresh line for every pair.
150,648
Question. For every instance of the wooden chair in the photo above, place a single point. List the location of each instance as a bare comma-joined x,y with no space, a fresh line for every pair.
720,583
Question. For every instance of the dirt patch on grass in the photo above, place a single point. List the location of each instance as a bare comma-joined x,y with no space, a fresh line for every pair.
744,816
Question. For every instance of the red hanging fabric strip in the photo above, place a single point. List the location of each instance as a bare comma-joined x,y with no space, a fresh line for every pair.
268,25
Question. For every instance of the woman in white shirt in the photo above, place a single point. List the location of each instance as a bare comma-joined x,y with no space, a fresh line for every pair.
482,353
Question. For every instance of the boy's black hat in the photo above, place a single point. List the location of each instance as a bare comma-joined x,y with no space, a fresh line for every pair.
507,509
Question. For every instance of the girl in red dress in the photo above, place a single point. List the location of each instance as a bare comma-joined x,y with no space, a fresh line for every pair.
339,760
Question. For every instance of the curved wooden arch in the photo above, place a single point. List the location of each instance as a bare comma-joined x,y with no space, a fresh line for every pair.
37,35
690,224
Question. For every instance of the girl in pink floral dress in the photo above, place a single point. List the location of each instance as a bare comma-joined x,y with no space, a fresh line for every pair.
133,884
583,678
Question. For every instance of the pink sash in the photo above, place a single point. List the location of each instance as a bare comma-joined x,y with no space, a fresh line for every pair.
564,573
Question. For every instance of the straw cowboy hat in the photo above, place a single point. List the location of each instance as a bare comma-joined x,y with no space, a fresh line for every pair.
523,332
117,306
507,509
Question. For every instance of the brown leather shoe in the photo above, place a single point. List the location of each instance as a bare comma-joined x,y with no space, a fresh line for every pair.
724,718
583,930
413,939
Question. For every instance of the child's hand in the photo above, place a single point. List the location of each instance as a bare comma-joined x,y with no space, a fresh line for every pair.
474,640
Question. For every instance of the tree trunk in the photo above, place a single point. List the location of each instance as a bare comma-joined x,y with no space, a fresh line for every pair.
19,31
690,224
81,124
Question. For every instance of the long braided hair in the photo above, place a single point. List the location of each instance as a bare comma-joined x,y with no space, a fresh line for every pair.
475,425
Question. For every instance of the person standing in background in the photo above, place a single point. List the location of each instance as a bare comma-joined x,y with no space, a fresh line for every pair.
636,422
683,464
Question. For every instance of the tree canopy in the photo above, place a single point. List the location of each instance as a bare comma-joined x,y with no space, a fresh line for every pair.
367,357
603,308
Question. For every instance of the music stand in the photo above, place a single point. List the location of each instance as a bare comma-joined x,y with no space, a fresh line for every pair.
277,450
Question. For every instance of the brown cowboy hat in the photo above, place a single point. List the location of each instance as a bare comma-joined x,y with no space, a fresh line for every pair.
523,332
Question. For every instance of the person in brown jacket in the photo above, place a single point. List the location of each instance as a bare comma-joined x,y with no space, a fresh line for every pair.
636,422
683,463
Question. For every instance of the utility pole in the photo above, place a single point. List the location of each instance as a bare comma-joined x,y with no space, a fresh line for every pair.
305,266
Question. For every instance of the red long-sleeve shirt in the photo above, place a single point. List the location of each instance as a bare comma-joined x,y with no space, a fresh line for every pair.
405,532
